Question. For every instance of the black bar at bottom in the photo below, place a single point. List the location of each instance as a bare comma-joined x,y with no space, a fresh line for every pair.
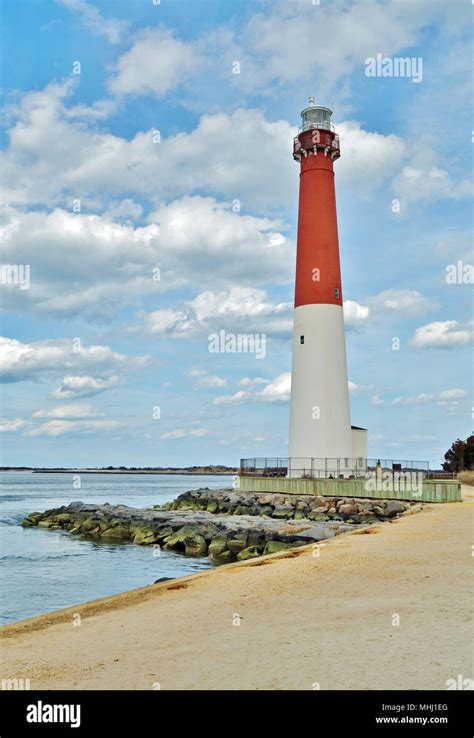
423,713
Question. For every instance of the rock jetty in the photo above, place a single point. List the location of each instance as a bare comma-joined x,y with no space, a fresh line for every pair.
224,525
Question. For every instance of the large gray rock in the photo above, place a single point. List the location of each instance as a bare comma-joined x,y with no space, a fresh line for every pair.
283,511
251,552
237,543
217,545
276,546
347,510
317,533
395,508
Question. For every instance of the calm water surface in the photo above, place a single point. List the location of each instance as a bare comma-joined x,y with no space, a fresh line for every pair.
43,570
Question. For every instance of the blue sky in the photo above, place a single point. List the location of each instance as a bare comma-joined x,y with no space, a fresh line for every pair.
153,197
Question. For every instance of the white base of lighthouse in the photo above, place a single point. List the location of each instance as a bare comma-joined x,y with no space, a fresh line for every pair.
320,424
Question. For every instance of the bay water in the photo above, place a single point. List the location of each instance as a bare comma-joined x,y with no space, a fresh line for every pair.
43,570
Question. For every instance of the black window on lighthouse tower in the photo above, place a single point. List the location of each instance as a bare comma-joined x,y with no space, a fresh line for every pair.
301,340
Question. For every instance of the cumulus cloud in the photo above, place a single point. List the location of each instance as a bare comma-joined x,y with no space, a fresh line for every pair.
204,379
368,158
42,360
54,152
193,239
429,185
202,240
70,277
443,334
267,45
354,313
275,391
278,390
156,63
235,399
84,386
405,302
239,308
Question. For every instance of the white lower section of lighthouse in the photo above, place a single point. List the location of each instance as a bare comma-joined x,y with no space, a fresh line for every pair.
320,424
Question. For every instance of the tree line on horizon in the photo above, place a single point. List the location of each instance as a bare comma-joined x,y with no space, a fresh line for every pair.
460,456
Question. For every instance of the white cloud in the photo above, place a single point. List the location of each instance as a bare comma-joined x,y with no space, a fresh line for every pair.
250,382
275,391
404,302
54,153
366,389
62,419
427,397
204,379
67,275
184,433
354,313
443,334
236,399
368,159
219,155
84,386
60,427
126,209
194,240
429,185
201,239
448,400
70,412
41,360
156,63
278,390
237,308
10,426
331,41
111,28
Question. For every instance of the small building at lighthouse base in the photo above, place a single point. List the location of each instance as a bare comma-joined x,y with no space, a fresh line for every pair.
359,442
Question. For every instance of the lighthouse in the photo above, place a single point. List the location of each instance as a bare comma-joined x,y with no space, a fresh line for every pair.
320,424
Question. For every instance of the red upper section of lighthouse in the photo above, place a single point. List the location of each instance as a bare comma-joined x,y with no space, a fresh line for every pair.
318,272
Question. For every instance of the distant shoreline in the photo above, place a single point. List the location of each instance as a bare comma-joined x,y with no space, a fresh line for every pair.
199,471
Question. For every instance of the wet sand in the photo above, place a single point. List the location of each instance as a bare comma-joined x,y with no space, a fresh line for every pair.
305,619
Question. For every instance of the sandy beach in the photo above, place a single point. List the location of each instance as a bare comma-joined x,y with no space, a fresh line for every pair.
390,609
